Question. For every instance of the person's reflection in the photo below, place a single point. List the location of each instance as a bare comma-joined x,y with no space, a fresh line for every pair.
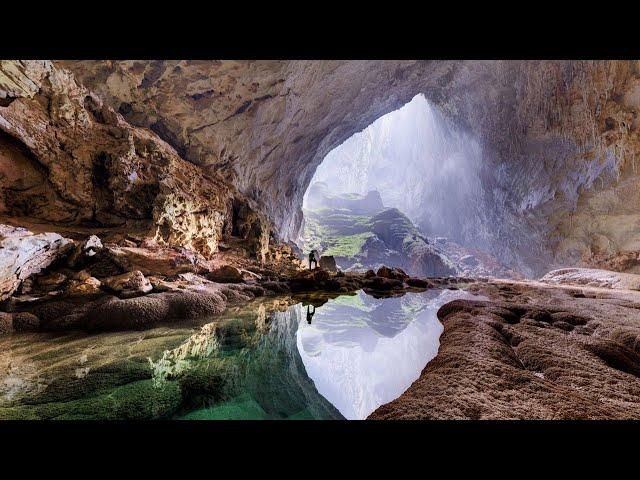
310,314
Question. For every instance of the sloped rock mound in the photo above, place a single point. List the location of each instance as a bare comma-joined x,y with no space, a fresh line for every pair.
593,278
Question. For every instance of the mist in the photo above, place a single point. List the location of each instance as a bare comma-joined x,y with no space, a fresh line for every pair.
418,163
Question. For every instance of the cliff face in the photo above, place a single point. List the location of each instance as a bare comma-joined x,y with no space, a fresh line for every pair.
558,182
67,158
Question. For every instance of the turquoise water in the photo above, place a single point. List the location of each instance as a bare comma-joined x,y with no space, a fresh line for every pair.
270,359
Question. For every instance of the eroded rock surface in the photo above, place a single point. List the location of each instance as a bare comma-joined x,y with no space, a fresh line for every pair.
22,253
531,352
593,278
559,138
67,158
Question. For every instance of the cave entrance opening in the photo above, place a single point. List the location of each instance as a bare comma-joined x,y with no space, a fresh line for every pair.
403,192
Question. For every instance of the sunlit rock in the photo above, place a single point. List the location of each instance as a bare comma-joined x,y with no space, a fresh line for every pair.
129,284
23,253
593,278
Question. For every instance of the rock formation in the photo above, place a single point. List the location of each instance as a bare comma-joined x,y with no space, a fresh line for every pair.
22,254
532,352
559,138
67,158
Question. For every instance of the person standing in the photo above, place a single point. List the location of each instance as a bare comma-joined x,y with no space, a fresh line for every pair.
312,259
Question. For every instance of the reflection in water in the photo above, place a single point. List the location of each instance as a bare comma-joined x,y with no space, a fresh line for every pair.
352,355
268,359
176,361
362,352
310,313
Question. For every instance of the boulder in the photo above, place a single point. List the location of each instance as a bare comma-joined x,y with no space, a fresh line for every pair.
91,245
431,263
84,251
51,281
328,262
309,280
127,285
226,274
87,286
25,253
417,282
382,283
392,273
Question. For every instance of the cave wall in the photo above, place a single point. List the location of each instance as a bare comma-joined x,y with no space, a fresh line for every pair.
66,158
559,138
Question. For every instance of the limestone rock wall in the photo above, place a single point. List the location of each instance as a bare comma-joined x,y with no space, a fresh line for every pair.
66,157
559,138
559,183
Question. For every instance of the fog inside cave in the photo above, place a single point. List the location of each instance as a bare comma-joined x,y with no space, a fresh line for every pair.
417,161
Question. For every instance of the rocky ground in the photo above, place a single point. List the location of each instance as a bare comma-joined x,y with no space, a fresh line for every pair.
556,350
53,283
534,351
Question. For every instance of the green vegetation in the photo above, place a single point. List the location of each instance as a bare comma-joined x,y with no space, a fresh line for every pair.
336,232
348,246
342,233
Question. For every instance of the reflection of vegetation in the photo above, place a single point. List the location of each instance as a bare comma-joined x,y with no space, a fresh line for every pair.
354,301
244,364
243,407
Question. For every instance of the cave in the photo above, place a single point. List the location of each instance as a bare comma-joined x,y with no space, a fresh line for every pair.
416,163
461,238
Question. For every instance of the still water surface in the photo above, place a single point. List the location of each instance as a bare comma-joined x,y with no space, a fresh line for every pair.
269,359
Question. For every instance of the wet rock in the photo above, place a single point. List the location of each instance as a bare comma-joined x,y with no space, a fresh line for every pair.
152,309
129,284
